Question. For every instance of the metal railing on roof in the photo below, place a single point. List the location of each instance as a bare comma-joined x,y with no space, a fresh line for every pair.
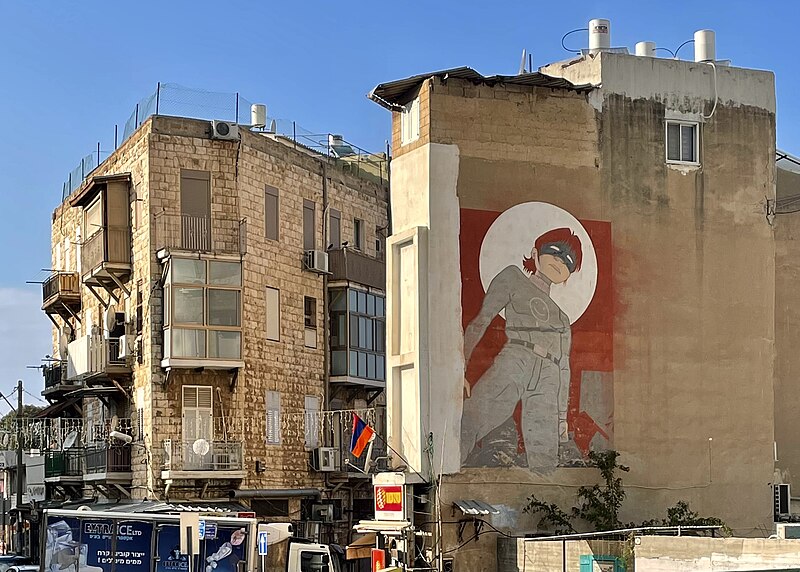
180,101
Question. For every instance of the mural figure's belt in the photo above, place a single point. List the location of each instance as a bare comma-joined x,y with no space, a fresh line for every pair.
538,350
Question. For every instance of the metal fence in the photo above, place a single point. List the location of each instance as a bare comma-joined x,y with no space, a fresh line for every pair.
180,101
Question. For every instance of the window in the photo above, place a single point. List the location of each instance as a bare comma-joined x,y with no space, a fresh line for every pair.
197,413
273,314
409,122
379,238
358,233
203,310
682,142
93,216
358,334
195,210
273,436
335,230
271,213
312,422
311,561
309,242
310,321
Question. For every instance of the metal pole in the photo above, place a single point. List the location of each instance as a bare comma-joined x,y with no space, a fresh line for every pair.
98,153
237,108
158,96
116,127
20,468
3,507
136,121
294,134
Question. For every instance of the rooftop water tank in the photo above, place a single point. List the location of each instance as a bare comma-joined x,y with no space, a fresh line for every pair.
258,115
599,35
646,49
705,46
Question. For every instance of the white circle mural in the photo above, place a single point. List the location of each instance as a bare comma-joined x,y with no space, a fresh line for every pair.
511,237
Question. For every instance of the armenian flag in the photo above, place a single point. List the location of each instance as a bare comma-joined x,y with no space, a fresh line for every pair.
362,435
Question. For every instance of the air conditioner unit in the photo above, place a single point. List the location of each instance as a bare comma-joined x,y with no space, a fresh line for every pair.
322,513
316,261
224,130
125,346
788,531
324,459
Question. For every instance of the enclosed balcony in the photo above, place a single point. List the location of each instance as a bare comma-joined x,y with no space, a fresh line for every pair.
202,459
96,357
347,264
106,248
56,382
61,295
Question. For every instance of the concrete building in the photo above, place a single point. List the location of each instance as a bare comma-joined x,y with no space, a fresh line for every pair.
581,260
197,270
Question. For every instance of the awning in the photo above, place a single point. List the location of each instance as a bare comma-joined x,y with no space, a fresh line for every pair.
475,507
361,547
56,408
388,527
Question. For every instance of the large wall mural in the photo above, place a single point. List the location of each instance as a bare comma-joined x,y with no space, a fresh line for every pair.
538,315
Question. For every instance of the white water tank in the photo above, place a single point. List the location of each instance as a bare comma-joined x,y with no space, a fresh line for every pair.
599,35
646,49
705,46
258,115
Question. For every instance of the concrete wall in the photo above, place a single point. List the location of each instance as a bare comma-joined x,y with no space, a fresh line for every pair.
679,327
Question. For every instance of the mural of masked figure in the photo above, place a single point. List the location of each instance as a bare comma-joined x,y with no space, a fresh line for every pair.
533,366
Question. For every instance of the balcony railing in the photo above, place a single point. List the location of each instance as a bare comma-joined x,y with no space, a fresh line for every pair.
68,463
55,374
189,456
63,286
110,245
340,433
104,458
219,234
354,266
93,355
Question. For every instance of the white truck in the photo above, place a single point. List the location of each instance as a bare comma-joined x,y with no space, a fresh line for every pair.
285,553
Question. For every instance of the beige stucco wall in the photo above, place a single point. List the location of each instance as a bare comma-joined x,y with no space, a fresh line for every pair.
693,278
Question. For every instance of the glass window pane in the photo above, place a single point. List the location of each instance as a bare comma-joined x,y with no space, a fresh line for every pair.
188,343
362,364
353,331
94,218
370,334
362,332
362,303
225,273
185,271
353,300
380,336
354,364
167,305
380,368
687,143
338,299
338,330
187,305
370,366
673,142
370,304
224,345
379,307
339,363
223,307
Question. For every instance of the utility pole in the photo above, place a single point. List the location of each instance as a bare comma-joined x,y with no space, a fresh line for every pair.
20,469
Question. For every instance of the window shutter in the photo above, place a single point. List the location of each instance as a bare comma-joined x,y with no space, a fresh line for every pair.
312,419
273,418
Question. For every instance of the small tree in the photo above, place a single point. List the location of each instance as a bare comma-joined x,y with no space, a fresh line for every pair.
599,506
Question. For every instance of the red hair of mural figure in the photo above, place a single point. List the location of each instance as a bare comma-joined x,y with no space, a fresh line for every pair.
559,237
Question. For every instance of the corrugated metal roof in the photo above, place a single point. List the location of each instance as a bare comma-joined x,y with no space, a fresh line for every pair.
475,507
391,94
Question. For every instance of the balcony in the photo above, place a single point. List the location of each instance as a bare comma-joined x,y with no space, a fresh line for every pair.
55,379
107,464
215,234
339,432
106,257
346,264
64,466
61,295
92,357
189,460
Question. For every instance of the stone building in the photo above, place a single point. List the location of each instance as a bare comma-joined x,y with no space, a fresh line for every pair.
581,261
196,275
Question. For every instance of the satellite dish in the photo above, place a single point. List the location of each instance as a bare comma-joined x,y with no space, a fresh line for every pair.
63,342
201,447
5,438
70,439
84,508
111,318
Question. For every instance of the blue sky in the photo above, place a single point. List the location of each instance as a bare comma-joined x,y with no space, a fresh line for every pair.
72,70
